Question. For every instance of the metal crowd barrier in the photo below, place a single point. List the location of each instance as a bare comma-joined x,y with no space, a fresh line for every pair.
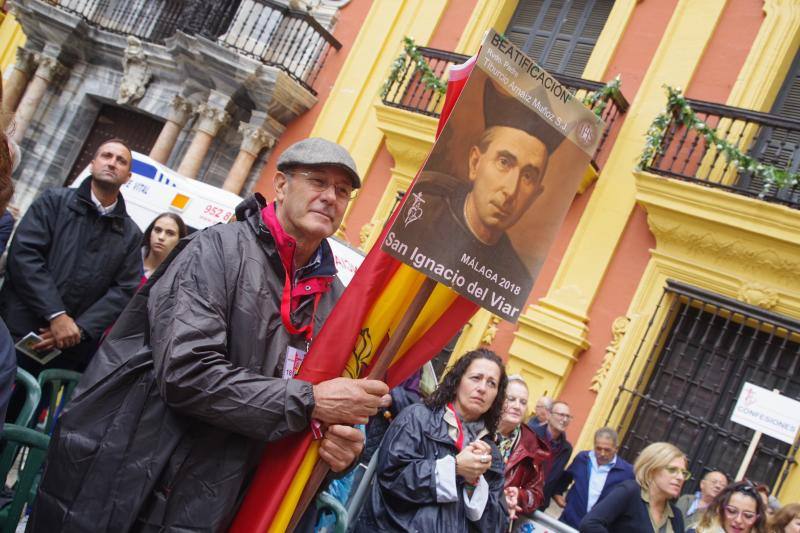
541,523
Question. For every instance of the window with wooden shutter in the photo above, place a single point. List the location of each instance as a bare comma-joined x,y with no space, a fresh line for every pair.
781,146
559,34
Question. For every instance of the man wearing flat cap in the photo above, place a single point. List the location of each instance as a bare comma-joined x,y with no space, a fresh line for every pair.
505,171
170,419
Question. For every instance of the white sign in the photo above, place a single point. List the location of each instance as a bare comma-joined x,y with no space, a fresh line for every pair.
768,412
347,259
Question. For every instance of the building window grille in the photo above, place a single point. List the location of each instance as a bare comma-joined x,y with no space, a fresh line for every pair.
705,347
559,34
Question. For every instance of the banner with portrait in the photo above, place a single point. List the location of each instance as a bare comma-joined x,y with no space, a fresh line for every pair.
486,206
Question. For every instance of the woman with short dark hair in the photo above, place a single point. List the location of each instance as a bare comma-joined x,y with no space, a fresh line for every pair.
438,468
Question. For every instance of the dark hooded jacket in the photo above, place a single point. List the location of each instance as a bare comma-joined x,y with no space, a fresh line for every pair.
65,256
171,417
403,495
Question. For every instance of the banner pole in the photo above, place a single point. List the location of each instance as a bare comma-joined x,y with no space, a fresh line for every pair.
384,359
751,450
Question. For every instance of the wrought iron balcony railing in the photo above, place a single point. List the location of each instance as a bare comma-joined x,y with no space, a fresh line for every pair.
686,154
408,90
149,20
290,40
293,41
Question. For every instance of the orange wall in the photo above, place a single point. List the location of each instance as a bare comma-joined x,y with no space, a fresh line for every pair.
612,300
368,199
727,51
351,17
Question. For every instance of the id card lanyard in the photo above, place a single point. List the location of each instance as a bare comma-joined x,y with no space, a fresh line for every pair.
286,313
295,357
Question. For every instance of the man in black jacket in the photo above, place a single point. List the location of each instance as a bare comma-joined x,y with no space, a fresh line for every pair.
554,434
74,263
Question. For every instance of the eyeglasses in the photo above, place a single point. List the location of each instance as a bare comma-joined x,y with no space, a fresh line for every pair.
320,184
675,471
748,516
565,416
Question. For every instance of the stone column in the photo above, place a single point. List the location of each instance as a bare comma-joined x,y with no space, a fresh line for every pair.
49,69
254,139
182,109
210,121
14,88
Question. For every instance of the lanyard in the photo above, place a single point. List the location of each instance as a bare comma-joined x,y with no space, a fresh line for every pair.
460,437
286,311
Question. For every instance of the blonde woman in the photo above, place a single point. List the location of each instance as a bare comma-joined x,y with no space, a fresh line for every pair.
643,505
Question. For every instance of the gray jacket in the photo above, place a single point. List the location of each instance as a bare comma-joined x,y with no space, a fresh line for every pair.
171,417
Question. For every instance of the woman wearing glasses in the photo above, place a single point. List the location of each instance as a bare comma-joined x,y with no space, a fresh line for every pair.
737,509
644,504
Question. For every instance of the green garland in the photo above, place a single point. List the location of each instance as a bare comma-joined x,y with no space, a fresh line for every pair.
429,78
598,100
681,111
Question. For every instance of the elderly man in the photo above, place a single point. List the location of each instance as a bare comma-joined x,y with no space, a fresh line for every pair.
592,473
170,420
554,433
541,411
693,505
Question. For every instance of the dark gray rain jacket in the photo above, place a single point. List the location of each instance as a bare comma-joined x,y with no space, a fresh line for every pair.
403,495
171,417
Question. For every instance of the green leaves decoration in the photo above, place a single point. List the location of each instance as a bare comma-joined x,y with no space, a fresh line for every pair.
428,77
679,110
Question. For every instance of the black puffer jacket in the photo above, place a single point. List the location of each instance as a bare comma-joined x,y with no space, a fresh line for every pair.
66,257
166,438
403,495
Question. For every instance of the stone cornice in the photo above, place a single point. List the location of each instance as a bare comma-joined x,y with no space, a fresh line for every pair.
721,230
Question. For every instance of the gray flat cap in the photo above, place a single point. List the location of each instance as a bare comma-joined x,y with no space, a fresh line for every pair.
316,151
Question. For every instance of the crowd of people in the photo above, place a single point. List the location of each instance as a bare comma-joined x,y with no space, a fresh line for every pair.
188,346
460,457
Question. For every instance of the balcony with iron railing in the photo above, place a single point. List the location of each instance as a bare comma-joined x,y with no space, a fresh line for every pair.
290,40
745,152
411,88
